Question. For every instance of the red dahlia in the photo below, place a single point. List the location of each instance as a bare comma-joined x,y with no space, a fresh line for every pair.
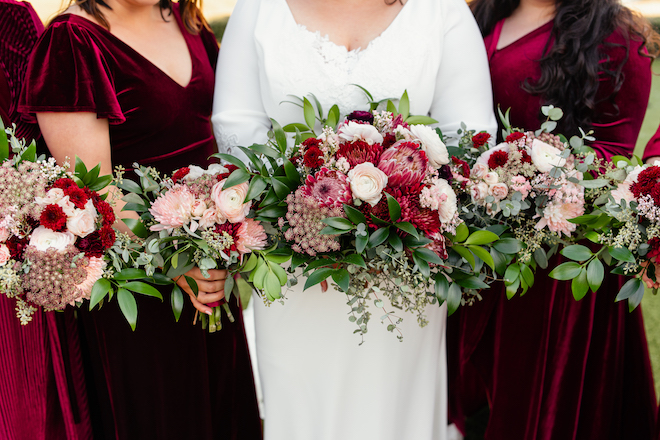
180,174
16,247
526,158
388,140
106,211
107,236
63,183
646,180
480,139
514,136
654,249
77,196
313,157
498,159
91,245
359,152
463,167
53,217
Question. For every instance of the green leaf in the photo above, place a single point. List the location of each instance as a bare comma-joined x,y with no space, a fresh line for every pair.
408,228
329,230
378,237
512,274
291,172
266,151
308,111
472,283
355,259
30,153
4,143
420,120
361,242
583,219
422,264
595,183
527,275
130,274
566,271
143,288
160,279
130,186
576,252
272,286
512,288
595,274
291,128
508,246
404,105
392,108
483,254
354,215
629,289
342,278
453,298
395,241
92,175
338,223
250,263
100,183
441,287
462,233
133,198
481,237
281,189
579,285
499,260
317,276
128,306
465,253
333,116
622,254
428,255
541,258
257,186
99,291
176,301
137,227
236,178
280,136
80,169
393,207
319,263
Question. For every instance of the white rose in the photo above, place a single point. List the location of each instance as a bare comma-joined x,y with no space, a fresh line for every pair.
353,132
545,156
498,190
43,238
5,255
491,178
83,222
367,182
479,170
216,168
67,206
435,149
53,196
229,202
198,208
486,154
194,173
447,209
479,192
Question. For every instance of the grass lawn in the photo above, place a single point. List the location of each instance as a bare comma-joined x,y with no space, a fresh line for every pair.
651,303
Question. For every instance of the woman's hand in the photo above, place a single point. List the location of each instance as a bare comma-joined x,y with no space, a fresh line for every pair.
652,159
650,283
211,289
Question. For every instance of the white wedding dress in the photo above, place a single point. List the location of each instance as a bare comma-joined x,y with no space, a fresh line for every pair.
318,382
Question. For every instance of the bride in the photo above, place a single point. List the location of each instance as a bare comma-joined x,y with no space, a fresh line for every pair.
318,383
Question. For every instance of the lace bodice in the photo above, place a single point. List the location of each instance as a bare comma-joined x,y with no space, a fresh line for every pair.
432,49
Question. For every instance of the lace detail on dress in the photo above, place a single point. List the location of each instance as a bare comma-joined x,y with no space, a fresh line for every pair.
226,141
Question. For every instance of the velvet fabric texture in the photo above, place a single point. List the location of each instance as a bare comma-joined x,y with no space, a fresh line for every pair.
166,380
548,366
653,146
42,388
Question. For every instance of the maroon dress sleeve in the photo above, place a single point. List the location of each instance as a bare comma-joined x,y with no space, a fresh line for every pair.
68,73
653,147
211,46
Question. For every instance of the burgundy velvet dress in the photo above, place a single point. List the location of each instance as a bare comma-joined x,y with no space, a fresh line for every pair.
166,380
653,146
548,366
42,388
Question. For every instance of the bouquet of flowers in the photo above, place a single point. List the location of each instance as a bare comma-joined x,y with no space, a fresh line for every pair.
197,217
530,185
54,229
368,204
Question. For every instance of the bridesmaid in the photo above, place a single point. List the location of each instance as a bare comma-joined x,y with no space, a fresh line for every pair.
42,389
123,81
550,367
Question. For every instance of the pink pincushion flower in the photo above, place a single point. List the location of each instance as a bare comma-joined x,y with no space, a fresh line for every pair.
404,163
94,270
251,236
556,215
330,188
173,209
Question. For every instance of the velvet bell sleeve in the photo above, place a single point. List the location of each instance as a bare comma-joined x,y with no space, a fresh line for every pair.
463,90
617,122
239,117
653,147
67,72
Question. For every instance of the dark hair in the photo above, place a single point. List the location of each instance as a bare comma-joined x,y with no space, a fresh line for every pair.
571,63
191,12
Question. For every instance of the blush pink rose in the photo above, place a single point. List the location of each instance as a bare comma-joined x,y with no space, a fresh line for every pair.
83,221
498,190
479,192
5,255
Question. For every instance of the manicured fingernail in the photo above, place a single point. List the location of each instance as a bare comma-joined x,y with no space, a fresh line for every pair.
209,313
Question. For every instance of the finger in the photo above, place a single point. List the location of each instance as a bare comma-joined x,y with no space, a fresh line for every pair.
206,297
206,286
214,274
199,306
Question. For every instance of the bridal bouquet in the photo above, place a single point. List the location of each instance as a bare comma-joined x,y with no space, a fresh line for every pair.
54,229
197,217
368,204
532,184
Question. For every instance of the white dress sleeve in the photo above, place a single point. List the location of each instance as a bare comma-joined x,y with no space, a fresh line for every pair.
238,116
463,88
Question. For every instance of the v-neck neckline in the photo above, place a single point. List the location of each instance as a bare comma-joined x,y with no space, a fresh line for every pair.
341,46
492,49
138,54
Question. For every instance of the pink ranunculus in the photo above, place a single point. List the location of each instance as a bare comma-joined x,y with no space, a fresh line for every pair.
367,183
229,202
498,190
94,270
545,156
486,154
251,236
173,209
556,216
43,238
5,254
353,131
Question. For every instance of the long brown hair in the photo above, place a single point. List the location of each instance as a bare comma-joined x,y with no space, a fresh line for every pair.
570,66
191,12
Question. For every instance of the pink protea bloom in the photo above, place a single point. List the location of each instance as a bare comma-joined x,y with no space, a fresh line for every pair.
556,215
251,236
173,209
404,163
329,188
94,270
